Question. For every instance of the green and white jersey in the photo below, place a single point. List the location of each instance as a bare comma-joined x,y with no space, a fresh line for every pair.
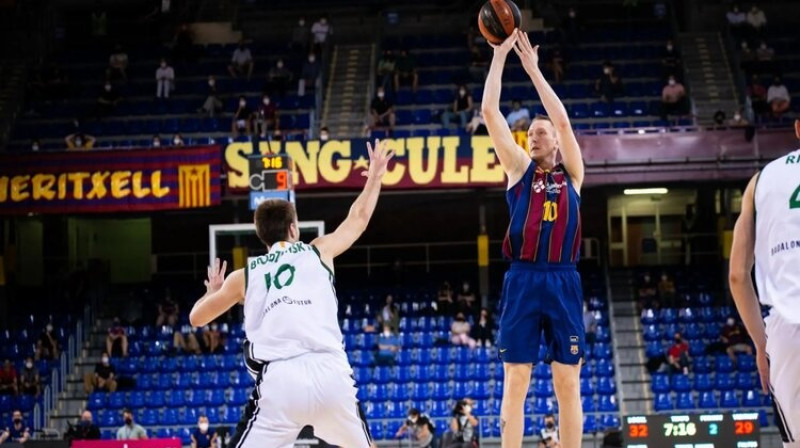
777,246
290,306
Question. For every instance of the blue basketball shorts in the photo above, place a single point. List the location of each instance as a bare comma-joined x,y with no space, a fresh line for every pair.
541,300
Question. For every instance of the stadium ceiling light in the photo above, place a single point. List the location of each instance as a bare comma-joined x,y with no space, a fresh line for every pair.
632,191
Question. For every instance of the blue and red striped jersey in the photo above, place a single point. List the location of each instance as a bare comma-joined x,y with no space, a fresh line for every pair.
545,222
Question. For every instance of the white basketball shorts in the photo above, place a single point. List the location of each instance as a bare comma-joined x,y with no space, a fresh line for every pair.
783,351
314,389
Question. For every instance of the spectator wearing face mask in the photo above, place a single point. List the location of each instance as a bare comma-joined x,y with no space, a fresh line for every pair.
738,120
465,299
420,429
778,98
186,341
165,79
463,427
324,134
382,111
678,355
321,30
483,332
309,75
241,61
212,338
107,101
519,118
177,141
609,85
85,429
266,118
405,71
202,437
388,347
589,323
240,124
389,314
666,290
29,383
47,346
17,432
155,142
672,98
130,430
167,310
462,107
549,434
212,104
757,21
79,141
8,379
734,337
103,377
117,64
279,79
35,145
117,339
385,71
300,36
459,332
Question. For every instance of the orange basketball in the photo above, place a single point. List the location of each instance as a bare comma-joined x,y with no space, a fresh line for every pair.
497,20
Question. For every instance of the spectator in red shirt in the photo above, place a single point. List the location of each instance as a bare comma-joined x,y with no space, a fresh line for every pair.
266,118
8,379
678,355
734,337
117,339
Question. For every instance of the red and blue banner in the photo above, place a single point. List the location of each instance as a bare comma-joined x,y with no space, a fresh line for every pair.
110,181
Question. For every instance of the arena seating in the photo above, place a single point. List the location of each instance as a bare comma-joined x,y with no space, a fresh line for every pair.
140,115
16,345
430,374
442,63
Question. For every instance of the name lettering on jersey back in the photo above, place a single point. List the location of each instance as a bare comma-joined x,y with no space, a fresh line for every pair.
273,257
288,301
784,246
791,160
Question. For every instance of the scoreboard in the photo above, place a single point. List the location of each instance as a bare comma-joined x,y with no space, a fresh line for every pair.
270,178
716,430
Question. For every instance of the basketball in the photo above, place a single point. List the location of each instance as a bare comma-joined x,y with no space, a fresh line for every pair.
497,20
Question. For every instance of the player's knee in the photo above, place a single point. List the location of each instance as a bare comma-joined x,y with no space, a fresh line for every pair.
566,379
517,380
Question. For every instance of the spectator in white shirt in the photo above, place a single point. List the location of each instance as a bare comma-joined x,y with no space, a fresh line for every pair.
321,29
241,62
778,97
519,118
165,79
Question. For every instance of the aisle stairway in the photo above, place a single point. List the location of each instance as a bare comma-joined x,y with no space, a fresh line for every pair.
348,92
709,75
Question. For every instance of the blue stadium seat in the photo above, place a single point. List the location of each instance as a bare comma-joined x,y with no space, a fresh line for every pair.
702,382
607,403
651,333
610,422
723,364
606,386
701,364
729,399
649,317
663,402
746,363
680,383
96,400
589,424
751,399
587,388
653,349
542,371
604,368
708,400
660,383
116,400
745,381
543,406
154,399
685,401
588,404
543,388
170,417
135,399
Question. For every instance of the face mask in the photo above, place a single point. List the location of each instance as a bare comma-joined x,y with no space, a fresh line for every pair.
17,421
105,360
312,59
607,71
49,327
731,321
744,45
78,142
176,141
279,65
242,103
29,365
669,47
572,14
462,92
266,101
550,425
413,419
736,117
86,422
672,83
380,94
107,87
763,46
467,409
301,22
34,147
156,143
203,427
324,136
387,333
324,21
211,82
128,421
677,340
163,65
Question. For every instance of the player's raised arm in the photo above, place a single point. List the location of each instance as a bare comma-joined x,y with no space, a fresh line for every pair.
334,244
570,151
741,283
512,157
221,294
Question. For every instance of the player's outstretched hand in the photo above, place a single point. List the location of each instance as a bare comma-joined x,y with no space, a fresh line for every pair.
507,44
379,158
528,54
216,276
763,369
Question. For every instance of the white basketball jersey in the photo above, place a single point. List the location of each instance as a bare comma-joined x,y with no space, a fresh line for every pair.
290,305
777,247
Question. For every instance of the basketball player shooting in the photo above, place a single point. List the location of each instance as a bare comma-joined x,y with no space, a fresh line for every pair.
295,347
542,289
766,235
